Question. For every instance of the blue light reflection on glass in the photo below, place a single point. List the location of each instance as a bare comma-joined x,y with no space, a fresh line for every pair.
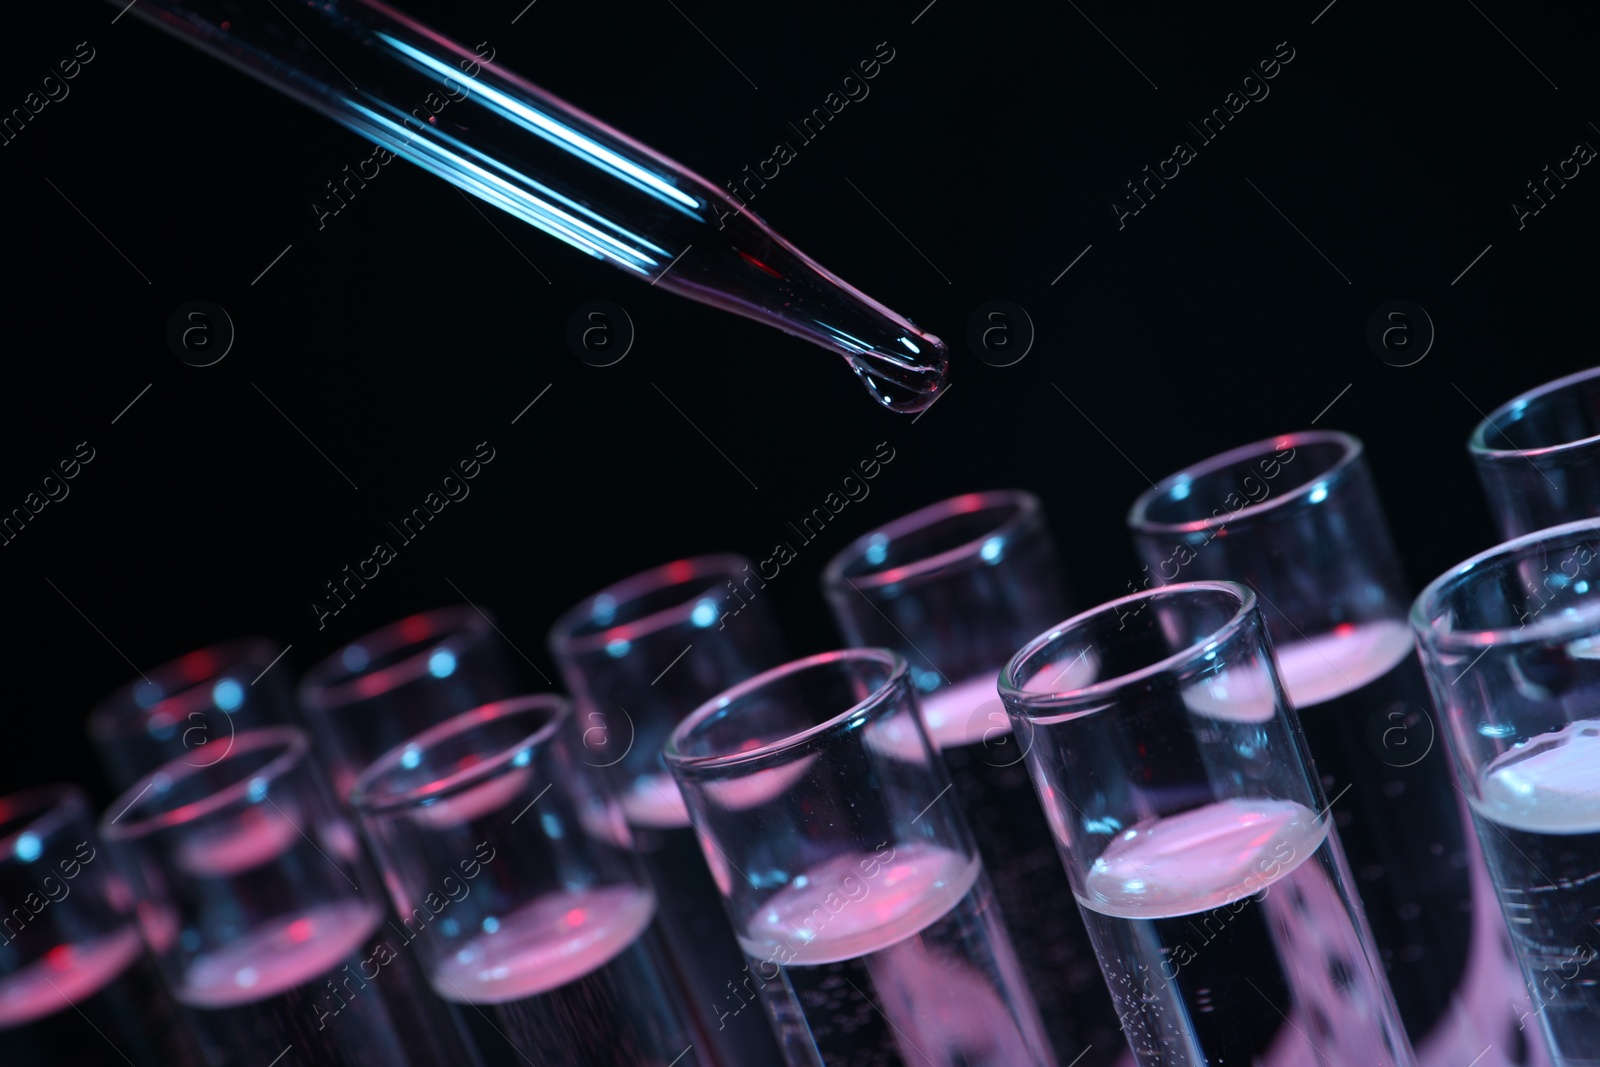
519,202
844,340
227,694
442,664
544,190
558,133
28,847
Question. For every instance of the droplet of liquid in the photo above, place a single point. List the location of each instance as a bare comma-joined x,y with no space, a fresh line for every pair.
752,271
898,387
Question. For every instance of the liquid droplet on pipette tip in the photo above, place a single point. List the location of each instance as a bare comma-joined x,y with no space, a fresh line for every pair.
900,382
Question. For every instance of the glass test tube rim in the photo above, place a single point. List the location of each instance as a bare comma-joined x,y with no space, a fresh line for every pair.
1351,450
781,748
1431,624
331,685
560,711
1026,507
1482,453
576,631
119,714
39,810
294,741
1046,708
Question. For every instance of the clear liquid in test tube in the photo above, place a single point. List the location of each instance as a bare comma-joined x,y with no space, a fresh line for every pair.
550,946
863,909
1297,518
957,587
1199,845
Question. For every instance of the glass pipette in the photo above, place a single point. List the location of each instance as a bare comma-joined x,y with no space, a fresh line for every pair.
498,137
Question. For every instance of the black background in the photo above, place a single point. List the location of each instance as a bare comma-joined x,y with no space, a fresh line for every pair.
407,330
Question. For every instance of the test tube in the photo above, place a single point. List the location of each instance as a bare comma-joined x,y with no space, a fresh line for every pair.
956,588
1197,839
397,681
1538,455
495,836
190,708
1509,641
868,924
76,984
264,919
1297,519
637,657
